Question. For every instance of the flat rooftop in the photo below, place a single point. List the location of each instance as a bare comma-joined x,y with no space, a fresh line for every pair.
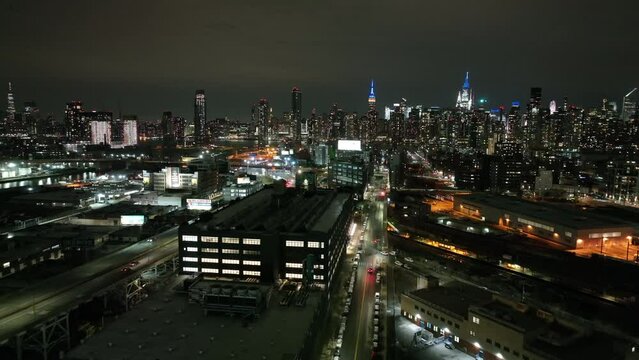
456,297
124,208
550,213
167,326
287,211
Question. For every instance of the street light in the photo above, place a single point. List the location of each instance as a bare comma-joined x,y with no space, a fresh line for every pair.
603,239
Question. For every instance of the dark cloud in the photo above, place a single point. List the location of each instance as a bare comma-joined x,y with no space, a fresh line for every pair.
149,55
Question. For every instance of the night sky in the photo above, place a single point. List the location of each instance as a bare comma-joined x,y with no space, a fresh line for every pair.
144,56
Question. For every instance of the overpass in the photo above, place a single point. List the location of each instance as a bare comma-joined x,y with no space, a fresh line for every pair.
37,318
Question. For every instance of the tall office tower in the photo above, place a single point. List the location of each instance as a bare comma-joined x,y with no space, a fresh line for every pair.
372,101
411,134
336,118
178,128
369,125
506,167
196,131
296,111
351,126
552,107
31,117
313,127
129,130
465,95
532,122
11,104
74,127
513,121
630,105
117,130
534,105
166,125
100,131
262,114
397,128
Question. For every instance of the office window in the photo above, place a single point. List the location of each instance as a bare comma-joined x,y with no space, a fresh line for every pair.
473,333
456,338
456,326
209,239
293,276
428,312
230,251
313,244
293,243
190,249
251,241
251,252
497,345
450,323
189,238
210,250
318,277
321,267
475,320
189,269
231,271
294,265
210,260
230,240
416,307
488,340
506,349
252,262
251,273
516,353
230,261
189,258
209,270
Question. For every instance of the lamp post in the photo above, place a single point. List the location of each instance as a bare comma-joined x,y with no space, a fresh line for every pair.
629,238
603,239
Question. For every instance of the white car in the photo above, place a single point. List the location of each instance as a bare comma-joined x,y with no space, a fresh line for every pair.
398,263
408,259
385,253
393,253
377,295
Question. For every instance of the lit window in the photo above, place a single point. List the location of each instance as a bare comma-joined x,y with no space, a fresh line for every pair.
189,269
314,244
251,252
209,239
189,238
456,338
188,258
231,271
252,262
230,240
473,333
293,276
318,277
207,270
209,250
251,273
251,241
230,261
210,260
292,243
191,249
230,251
294,265
475,320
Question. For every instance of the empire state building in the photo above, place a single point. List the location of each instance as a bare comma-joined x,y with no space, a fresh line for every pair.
465,96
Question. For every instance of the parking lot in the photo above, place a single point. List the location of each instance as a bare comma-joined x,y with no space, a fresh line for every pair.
411,349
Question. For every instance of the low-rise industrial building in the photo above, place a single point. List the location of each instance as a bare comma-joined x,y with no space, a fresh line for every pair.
494,328
562,224
271,235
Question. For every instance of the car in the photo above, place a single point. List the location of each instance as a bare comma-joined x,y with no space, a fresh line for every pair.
393,253
371,270
407,267
377,306
385,253
149,240
125,269
398,263
134,263
346,310
375,344
377,295
408,259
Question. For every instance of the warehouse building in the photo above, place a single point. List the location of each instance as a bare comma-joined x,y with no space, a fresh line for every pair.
561,224
272,235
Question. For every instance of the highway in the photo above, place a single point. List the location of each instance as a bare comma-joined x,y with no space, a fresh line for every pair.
59,293
358,337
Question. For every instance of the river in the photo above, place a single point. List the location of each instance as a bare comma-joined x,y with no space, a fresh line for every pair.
49,180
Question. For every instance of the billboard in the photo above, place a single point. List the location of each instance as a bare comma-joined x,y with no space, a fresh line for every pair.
349,145
132,219
198,204
243,180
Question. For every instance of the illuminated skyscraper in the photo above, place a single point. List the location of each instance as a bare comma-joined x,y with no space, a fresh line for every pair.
372,102
630,101
100,129
465,95
199,118
262,118
369,127
75,128
31,117
129,130
296,112
11,104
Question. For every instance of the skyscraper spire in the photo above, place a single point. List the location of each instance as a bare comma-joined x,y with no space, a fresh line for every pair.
465,95
371,96
467,81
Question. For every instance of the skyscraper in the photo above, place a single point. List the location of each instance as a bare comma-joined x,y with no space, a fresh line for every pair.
100,123
31,117
630,108
262,112
369,131
75,129
534,105
199,118
296,112
372,102
465,95
11,104
130,130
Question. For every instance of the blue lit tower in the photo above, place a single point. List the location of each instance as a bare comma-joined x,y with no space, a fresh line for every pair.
371,97
465,95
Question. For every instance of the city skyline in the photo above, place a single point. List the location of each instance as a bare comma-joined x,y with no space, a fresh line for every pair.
150,66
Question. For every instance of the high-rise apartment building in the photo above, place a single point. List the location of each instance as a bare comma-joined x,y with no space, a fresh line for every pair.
262,120
296,112
199,118
76,129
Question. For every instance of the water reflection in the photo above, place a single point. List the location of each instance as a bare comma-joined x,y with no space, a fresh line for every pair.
50,180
